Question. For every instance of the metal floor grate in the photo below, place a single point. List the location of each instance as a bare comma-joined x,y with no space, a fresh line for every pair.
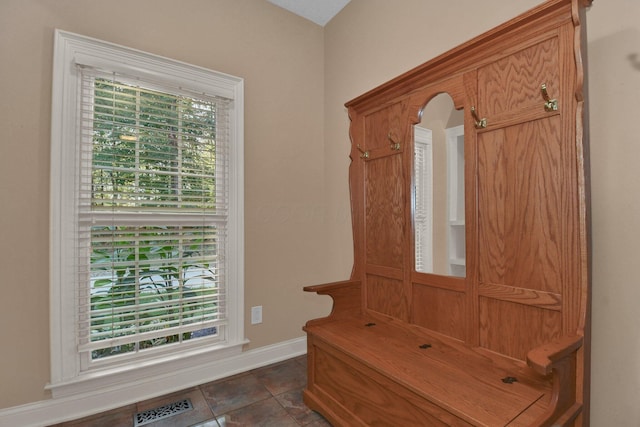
161,412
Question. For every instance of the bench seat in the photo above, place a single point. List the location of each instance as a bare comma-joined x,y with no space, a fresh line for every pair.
461,385
366,369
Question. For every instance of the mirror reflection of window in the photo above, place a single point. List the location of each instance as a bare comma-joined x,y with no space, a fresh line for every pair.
439,189
423,212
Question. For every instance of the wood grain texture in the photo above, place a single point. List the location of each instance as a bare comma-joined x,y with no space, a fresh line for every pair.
471,211
346,299
384,213
391,273
546,300
492,191
439,310
542,359
383,403
582,314
461,381
520,189
514,329
356,192
382,123
513,83
450,283
387,296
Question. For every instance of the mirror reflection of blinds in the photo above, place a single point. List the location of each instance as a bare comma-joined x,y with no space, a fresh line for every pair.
423,214
153,203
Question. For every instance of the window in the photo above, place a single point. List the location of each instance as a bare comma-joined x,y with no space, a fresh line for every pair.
146,209
152,216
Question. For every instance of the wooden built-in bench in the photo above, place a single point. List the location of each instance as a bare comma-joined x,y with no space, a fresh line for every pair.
502,337
409,376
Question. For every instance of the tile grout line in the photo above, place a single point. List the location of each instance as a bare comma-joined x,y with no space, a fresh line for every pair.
297,361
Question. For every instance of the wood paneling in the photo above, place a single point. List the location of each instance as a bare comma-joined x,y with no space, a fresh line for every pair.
546,300
450,283
384,212
493,186
439,310
520,189
383,403
514,329
387,122
513,83
387,296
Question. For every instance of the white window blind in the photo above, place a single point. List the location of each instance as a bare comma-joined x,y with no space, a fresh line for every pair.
423,216
152,203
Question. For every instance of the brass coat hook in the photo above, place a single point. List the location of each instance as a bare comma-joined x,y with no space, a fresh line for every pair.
363,154
395,146
479,123
550,104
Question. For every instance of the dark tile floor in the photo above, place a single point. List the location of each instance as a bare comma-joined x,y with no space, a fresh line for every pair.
269,396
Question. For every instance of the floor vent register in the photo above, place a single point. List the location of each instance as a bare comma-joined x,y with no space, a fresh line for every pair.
161,412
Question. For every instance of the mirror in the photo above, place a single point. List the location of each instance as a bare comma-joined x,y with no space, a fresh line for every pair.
439,219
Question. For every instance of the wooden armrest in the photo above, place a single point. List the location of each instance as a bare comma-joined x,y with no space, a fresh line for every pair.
542,359
556,357
328,288
345,295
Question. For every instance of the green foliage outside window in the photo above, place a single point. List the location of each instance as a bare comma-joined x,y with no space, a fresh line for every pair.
152,152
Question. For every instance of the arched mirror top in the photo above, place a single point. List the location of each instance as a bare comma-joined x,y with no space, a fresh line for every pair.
441,107
454,100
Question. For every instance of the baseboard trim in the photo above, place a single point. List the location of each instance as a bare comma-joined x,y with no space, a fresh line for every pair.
57,410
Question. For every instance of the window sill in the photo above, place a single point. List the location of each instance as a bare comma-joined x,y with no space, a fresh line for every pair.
174,366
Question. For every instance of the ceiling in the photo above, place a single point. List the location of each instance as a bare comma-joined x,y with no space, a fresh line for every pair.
318,11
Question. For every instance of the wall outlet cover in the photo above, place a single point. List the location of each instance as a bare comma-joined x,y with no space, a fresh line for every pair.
256,315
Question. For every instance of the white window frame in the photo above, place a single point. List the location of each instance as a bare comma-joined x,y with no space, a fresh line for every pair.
67,376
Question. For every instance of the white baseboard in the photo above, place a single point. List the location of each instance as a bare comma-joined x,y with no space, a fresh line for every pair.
57,410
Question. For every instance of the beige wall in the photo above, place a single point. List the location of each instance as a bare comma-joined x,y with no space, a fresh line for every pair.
281,58
614,73
298,77
372,41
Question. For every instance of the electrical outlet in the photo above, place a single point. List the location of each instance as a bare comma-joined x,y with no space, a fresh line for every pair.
256,315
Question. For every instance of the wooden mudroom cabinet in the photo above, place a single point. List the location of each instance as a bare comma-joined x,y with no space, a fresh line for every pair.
507,343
